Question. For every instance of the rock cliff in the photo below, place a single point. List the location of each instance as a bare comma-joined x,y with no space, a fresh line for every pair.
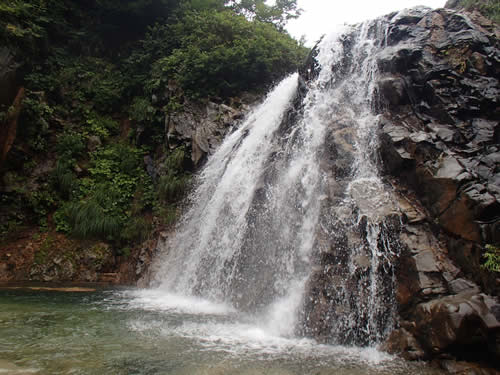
439,133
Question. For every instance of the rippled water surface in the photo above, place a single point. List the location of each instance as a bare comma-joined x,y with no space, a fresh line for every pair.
149,332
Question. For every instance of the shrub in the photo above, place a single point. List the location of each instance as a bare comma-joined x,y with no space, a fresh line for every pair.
65,179
492,256
88,219
136,229
172,188
489,8
173,185
222,53
167,215
70,145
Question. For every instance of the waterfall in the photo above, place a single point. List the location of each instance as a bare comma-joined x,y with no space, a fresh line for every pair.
289,219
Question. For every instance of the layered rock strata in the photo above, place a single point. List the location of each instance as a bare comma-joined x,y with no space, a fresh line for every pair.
438,103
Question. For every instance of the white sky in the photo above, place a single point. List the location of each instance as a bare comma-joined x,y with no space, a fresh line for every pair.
321,16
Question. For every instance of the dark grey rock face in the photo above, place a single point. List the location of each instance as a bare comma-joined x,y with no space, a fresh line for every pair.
202,127
439,146
439,101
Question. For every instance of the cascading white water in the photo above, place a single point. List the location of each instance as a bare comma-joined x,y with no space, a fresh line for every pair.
280,228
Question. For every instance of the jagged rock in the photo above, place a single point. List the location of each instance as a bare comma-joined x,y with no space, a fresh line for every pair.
201,127
403,343
454,94
461,285
458,321
393,90
439,135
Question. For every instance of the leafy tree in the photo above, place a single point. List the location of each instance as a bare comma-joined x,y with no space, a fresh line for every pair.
221,53
278,14
100,76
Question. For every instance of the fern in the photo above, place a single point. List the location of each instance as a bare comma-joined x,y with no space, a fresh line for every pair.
172,188
89,220
137,229
492,256
175,161
65,178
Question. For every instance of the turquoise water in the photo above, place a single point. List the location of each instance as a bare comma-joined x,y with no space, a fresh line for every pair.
127,331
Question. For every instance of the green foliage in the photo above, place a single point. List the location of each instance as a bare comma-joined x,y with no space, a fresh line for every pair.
221,53
167,214
101,126
61,220
22,23
70,145
278,14
109,59
65,179
88,219
116,188
36,114
171,188
141,110
492,256
92,80
136,229
175,161
173,185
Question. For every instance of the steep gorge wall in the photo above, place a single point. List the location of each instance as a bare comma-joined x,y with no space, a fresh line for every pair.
438,100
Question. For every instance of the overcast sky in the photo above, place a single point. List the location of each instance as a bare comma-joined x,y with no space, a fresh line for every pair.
321,16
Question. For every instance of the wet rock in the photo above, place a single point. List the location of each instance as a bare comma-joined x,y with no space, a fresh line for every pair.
425,261
404,344
465,368
437,96
393,91
457,321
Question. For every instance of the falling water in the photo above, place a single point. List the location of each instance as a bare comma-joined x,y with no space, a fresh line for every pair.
288,222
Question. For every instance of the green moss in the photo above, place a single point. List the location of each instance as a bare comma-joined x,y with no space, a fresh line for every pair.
42,256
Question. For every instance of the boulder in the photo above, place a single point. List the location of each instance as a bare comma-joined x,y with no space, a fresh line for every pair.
459,322
403,343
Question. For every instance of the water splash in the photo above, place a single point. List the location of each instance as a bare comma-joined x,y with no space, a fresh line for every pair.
291,223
